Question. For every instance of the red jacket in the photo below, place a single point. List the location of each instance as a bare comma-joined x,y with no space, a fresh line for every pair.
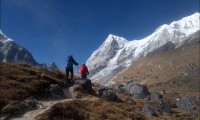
84,70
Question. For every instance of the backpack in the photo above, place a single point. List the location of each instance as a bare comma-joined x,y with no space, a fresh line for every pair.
83,69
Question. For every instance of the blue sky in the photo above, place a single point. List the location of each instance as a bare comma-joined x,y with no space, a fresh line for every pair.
53,29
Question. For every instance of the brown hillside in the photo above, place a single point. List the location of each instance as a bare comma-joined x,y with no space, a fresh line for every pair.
91,110
18,82
176,70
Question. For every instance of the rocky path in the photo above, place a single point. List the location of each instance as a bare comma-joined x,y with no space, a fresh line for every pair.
45,105
30,115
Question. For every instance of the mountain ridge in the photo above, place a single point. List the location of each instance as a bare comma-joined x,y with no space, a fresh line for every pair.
12,52
106,61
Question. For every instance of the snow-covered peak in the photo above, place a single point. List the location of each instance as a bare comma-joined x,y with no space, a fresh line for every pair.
12,52
4,38
116,53
188,25
189,21
107,50
114,41
173,32
112,37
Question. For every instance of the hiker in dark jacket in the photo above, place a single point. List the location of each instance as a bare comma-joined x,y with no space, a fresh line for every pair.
84,71
69,68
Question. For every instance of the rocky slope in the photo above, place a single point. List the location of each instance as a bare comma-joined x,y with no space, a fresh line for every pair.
18,82
175,72
12,52
117,53
26,88
33,93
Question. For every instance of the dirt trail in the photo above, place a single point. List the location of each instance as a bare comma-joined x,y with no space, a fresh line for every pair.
45,105
30,115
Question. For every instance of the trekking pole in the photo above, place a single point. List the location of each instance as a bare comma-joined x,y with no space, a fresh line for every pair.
77,72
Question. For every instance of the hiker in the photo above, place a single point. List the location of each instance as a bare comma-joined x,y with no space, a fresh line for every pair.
84,71
69,68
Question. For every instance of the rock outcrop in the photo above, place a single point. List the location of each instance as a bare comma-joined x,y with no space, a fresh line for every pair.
56,91
108,93
137,90
189,103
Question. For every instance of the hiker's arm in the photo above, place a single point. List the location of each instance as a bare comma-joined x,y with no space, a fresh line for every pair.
75,62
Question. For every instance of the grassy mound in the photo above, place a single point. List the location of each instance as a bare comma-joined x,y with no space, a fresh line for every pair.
98,109
17,82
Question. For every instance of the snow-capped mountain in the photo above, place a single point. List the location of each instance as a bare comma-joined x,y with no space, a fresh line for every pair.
12,52
117,53
50,66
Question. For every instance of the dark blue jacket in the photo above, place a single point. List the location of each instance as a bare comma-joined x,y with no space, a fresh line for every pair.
70,62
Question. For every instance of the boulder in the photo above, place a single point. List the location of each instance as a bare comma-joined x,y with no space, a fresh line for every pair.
161,105
15,109
108,93
76,91
146,109
137,90
189,103
32,102
20,108
56,91
155,96
120,87
86,83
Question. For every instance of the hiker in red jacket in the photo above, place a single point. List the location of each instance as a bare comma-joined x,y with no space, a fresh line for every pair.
84,71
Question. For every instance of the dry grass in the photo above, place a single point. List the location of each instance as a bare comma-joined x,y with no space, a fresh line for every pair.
17,82
91,110
177,65
176,72
154,71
